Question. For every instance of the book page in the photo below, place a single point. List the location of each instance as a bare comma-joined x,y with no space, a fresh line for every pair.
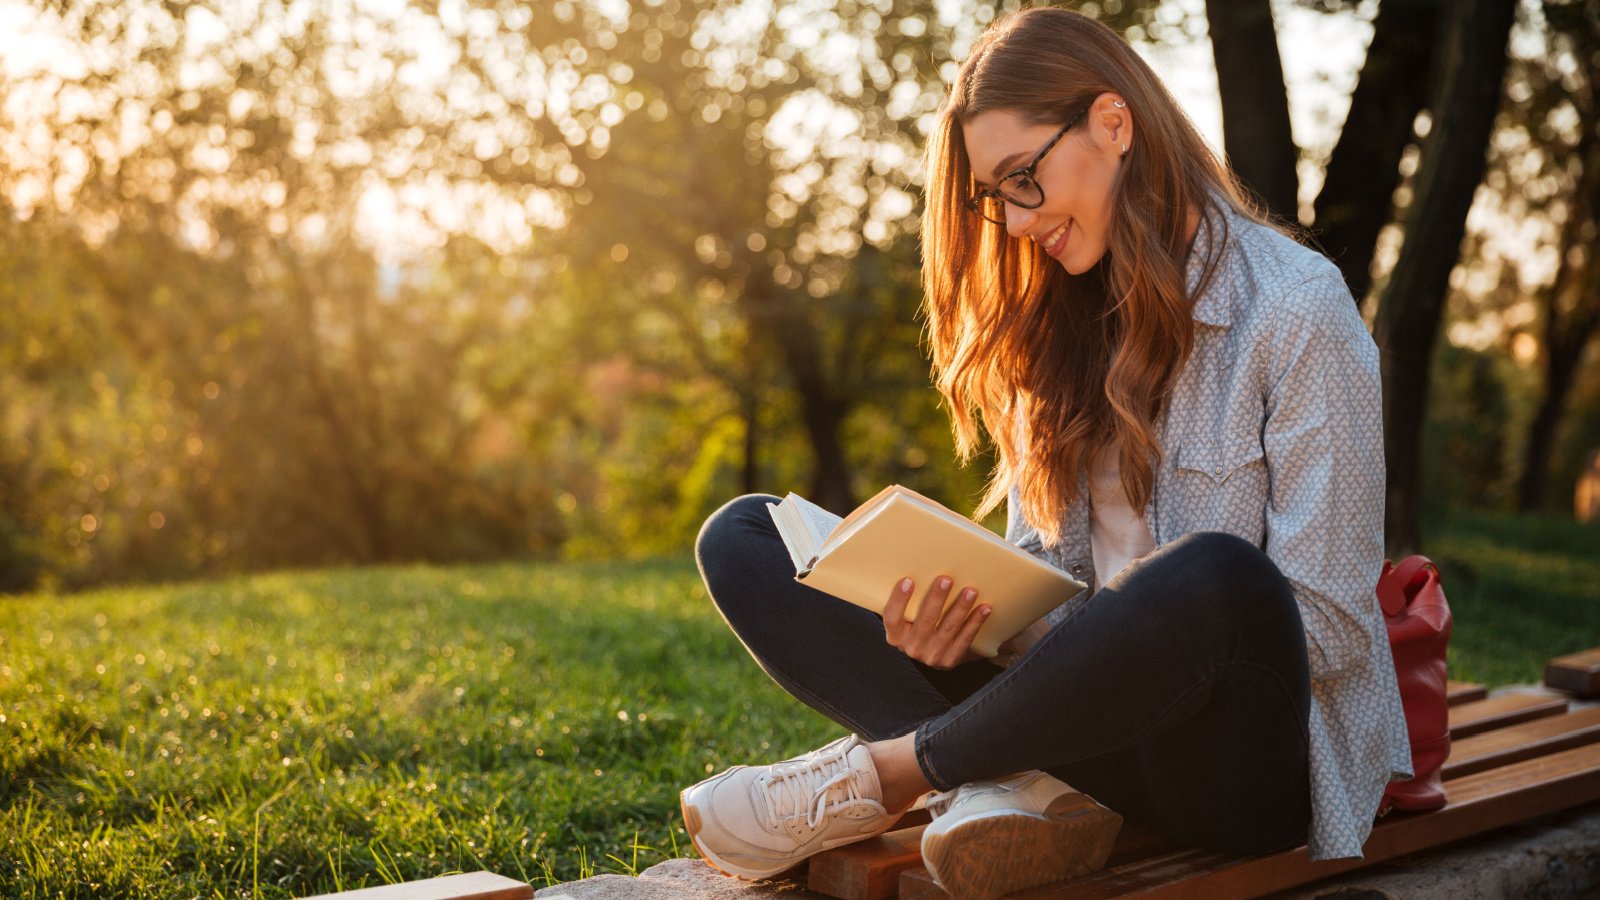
804,526
819,521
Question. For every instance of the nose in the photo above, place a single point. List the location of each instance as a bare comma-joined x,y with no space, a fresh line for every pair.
1019,219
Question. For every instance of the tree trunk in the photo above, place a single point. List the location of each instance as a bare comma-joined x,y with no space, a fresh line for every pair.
750,411
1559,374
1570,324
1472,63
783,324
1255,104
1356,199
373,543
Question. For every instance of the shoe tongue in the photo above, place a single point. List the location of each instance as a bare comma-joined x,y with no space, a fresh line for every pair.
866,777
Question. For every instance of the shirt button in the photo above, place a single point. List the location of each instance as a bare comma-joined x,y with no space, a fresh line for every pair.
1219,472
1077,568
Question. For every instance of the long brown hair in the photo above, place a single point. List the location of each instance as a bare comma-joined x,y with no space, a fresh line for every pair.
1056,366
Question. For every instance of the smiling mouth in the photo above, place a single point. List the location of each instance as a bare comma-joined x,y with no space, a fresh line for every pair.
1055,240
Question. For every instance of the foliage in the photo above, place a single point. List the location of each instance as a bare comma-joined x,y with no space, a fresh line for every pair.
1473,415
281,291
290,283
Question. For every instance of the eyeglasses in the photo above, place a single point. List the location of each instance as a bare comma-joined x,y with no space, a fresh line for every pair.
1019,186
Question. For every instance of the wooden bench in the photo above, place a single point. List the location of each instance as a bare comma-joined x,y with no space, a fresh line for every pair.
1513,757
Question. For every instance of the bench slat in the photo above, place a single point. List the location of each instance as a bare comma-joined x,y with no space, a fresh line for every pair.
1459,692
1498,712
1576,673
1478,803
470,886
1525,741
869,869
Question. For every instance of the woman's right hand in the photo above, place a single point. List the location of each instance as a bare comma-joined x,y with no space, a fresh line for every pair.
942,641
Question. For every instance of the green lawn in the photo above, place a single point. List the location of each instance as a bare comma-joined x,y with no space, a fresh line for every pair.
300,732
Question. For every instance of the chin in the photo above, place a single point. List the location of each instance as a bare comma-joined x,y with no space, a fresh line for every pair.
1076,264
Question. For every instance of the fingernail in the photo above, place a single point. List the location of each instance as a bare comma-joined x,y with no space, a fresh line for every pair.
986,611
944,584
968,594
905,585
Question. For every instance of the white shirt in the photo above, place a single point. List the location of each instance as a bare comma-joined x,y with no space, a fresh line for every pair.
1118,534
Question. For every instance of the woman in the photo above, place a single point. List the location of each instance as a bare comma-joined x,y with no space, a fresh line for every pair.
1185,409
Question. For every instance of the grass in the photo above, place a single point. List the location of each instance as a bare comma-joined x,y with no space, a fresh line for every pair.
292,733
1521,588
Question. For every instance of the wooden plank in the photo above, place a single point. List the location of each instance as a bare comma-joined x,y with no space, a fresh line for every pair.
1525,741
869,869
1478,803
1498,712
917,884
470,886
1459,692
1575,673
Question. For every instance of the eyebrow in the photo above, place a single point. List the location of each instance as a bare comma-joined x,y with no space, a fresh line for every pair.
1009,164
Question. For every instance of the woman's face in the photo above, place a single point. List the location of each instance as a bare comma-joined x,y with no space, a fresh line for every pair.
1076,176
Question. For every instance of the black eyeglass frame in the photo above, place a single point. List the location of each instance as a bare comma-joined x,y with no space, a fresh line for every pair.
975,202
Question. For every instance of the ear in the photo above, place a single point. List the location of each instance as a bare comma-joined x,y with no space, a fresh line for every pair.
1111,124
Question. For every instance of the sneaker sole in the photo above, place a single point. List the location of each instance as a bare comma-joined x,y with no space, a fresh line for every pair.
990,855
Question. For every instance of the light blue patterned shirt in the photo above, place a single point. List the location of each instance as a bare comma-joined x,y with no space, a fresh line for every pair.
1274,432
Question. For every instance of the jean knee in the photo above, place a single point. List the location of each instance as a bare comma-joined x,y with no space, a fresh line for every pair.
724,529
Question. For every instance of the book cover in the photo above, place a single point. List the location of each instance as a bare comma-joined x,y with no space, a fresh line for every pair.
899,533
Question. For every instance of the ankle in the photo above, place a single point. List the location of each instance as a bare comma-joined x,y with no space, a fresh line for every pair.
899,777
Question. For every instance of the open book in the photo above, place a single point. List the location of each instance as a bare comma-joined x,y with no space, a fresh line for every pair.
900,532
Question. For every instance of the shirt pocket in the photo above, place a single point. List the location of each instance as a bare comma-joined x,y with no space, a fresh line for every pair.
1218,459
1221,485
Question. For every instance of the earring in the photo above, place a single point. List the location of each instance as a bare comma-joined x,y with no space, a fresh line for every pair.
1119,104
1124,149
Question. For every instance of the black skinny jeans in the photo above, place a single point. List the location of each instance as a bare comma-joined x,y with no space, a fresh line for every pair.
1178,695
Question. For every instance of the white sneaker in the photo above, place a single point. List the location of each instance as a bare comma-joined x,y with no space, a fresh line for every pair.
758,821
989,838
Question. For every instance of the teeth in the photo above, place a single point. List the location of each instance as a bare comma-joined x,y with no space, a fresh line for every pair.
1051,238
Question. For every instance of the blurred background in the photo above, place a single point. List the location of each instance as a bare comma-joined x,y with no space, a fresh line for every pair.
353,281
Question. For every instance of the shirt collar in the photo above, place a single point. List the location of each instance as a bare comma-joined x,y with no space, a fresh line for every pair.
1216,305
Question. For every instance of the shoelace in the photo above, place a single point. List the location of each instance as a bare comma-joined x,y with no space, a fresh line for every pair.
804,786
939,804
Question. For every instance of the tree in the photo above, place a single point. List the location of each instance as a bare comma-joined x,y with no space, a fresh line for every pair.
1564,127
1356,199
1466,96
1255,102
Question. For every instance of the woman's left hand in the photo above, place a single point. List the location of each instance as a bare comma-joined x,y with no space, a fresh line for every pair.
942,635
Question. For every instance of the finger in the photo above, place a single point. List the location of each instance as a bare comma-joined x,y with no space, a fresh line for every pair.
955,615
932,605
975,621
959,646
894,611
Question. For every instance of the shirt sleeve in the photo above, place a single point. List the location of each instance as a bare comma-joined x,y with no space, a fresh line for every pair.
1019,532
1323,439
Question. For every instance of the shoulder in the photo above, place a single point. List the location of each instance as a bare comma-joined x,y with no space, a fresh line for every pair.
1287,288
